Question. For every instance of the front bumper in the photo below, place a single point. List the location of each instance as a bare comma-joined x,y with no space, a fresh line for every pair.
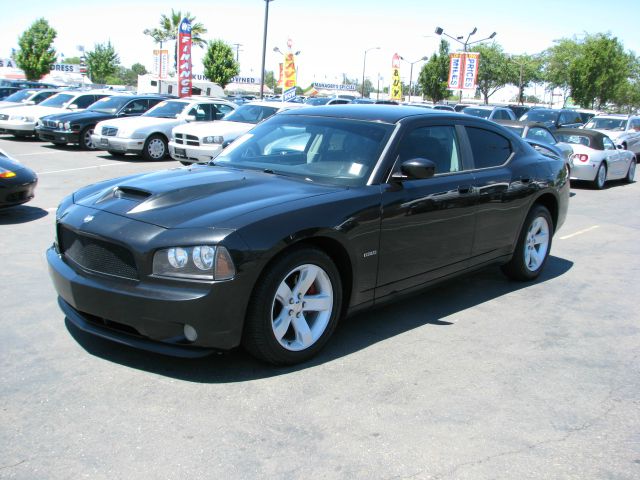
57,136
18,190
583,171
117,144
200,154
18,127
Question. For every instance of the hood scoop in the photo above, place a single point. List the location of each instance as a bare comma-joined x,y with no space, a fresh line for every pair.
125,193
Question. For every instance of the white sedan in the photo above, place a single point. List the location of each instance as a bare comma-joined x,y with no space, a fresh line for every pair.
595,157
148,135
199,143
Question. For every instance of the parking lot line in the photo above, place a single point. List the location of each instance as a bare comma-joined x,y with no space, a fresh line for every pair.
580,232
38,153
81,168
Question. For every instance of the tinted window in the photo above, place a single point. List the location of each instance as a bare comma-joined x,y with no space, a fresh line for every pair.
57,100
569,117
137,107
42,96
477,112
222,110
489,149
606,123
83,101
167,109
540,115
250,113
19,96
437,144
202,112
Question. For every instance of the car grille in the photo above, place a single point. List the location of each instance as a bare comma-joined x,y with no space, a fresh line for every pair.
191,140
109,131
97,255
4,117
49,124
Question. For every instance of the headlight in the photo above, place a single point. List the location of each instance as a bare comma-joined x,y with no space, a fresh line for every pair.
201,262
60,125
213,139
4,173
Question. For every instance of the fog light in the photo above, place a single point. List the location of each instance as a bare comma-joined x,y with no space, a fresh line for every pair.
190,333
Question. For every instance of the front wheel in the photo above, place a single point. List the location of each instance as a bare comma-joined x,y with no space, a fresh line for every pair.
155,148
631,173
85,139
533,246
601,177
294,308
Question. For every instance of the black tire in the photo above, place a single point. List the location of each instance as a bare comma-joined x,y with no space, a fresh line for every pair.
259,337
601,179
186,164
115,154
155,148
631,173
518,267
85,140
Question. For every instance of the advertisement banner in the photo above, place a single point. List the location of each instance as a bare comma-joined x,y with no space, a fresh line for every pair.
396,85
184,58
289,72
160,63
471,64
455,71
280,78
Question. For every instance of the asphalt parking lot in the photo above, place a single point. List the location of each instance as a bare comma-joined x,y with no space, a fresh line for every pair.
481,378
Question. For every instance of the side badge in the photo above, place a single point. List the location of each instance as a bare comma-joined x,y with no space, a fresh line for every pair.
87,219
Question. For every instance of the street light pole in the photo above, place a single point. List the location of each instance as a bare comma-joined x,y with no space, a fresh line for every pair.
364,66
423,59
465,44
264,46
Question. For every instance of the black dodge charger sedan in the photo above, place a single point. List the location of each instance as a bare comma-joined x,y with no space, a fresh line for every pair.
314,214
77,127
17,182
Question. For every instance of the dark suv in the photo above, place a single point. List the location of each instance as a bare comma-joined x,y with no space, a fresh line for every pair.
77,127
553,118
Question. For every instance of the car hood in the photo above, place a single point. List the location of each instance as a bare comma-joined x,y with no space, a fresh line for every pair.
218,127
86,115
35,111
4,104
196,197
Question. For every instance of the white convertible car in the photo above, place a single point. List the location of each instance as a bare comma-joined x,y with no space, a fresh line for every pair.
202,142
148,134
596,158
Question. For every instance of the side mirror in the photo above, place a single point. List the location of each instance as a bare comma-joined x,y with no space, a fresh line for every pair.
416,169
190,118
620,147
29,102
73,106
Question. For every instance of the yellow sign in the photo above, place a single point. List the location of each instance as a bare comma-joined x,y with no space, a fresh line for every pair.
395,90
289,71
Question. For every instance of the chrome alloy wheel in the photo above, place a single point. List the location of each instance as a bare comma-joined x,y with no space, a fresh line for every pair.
602,176
537,244
302,307
156,149
88,142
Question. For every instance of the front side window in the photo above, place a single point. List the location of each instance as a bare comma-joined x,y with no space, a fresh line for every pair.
436,143
222,110
167,109
489,149
608,144
83,101
541,135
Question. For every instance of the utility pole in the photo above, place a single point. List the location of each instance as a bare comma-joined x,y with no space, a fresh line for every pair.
237,45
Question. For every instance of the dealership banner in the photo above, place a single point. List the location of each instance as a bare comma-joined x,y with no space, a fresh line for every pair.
463,71
289,72
333,86
160,63
184,58
396,84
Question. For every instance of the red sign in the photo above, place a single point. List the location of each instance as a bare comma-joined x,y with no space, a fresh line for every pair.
184,59
463,70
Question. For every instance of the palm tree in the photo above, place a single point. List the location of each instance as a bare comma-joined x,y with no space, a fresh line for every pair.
168,30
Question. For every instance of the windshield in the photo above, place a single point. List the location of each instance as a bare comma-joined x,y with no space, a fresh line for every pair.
539,115
607,123
575,139
477,112
317,149
109,104
19,96
167,109
250,113
58,100
317,101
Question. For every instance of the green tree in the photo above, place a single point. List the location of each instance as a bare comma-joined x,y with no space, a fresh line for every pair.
599,71
72,60
102,62
434,75
220,65
36,54
525,70
558,62
139,69
168,30
270,79
494,71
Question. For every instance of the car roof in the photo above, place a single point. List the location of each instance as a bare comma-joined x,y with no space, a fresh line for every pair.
613,115
526,123
375,112
585,132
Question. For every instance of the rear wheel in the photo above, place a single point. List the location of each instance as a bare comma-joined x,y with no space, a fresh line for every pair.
155,148
294,308
601,177
85,139
185,163
115,154
533,246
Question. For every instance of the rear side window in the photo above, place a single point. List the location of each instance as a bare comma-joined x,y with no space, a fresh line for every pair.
489,149
84,101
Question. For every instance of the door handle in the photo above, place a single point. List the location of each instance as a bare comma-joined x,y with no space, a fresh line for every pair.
466,189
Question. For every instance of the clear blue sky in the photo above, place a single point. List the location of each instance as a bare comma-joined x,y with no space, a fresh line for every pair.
332,35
